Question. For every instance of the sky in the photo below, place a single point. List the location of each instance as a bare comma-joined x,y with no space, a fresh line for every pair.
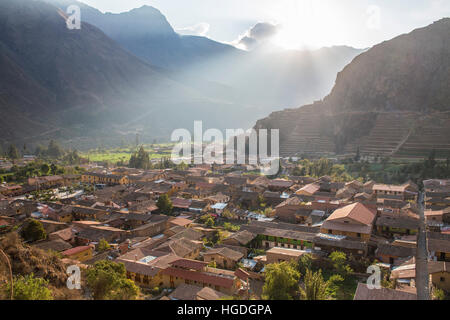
298,23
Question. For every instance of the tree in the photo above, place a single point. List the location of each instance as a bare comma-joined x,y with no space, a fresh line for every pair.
103,245
339,260
30,288
33,230
54,150
305,263
227,214
315,287
107,281
13,153
164,204
140,159
209,222
358,154
281,281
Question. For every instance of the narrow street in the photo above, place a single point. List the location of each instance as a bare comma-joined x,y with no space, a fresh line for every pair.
422,279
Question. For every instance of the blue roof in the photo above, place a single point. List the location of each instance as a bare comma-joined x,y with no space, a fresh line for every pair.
219,206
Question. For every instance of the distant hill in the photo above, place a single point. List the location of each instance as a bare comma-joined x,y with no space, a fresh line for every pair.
392,100
260,80
88,89
81,85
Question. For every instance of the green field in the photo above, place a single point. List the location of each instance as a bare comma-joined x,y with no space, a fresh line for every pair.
123,154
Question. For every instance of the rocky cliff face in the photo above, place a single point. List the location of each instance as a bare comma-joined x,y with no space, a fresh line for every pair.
391,100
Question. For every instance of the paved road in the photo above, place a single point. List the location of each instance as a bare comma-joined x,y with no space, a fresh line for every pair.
422,278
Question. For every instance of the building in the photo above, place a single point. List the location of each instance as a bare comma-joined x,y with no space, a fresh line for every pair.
277,254
390,224
223,257
407,191
190,292
439,272
363,292
354,221
81,253
193,272
101,178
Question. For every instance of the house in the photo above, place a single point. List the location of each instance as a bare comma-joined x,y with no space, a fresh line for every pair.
354,220
67,235
193,272
363,292
391,224
182,222
144,266
155,226
389,252
438,246
279,185
309,189
223,257
437,218
219,207
329,243
283,235
190,292
184,248
277,254
437,194
46,182
241,238
180,204
293,210
81,253
439,272
52,226
10,190
407,191
102,178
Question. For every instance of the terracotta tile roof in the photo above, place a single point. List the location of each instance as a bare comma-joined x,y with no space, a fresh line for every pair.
243,237
181,203
364,293
226,252
310,188
241,274
200,277
281,183
356,212
189,264
180,221
76,250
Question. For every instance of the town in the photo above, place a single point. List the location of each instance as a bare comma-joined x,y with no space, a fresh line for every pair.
211,232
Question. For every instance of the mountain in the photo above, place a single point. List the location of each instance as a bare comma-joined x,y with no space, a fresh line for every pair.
132,72
67,84
263,81
392,100
146,33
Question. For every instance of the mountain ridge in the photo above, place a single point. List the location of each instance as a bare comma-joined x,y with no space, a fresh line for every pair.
392,100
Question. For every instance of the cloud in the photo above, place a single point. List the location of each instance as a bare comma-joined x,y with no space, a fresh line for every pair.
260,34
199,29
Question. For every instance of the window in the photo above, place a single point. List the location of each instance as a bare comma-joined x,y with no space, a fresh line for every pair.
359,235
442,279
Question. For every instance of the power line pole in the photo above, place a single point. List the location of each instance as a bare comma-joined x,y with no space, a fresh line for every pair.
422,277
